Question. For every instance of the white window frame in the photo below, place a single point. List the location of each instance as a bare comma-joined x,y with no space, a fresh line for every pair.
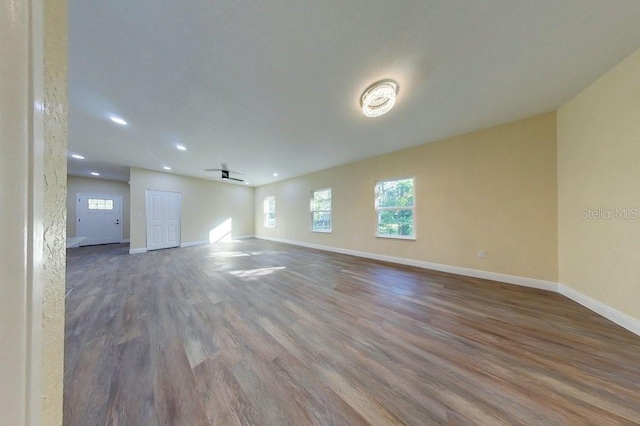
266,212
312,204
412,208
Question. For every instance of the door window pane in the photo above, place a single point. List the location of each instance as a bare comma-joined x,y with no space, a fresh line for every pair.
99,204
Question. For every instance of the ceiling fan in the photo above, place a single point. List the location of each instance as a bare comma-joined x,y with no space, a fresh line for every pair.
226,173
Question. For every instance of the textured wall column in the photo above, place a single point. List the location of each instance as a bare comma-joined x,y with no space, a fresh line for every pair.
54,220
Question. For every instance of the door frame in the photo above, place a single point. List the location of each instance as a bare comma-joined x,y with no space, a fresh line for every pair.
91,194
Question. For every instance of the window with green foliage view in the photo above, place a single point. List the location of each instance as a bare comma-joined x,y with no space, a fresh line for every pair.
321,210
394,206
269,209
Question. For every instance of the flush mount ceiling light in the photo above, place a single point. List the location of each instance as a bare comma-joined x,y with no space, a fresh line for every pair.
166,167
118,120
181,147
379,98
95,174
77,156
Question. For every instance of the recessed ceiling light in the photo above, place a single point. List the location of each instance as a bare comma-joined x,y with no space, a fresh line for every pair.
118,120
275,174
181,147
166,167
379,98
79,157
95,174
246,183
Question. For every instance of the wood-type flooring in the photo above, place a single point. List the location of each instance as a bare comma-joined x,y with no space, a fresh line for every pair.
257,332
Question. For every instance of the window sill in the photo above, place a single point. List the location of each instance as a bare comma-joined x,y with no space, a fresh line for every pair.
321,232
396,237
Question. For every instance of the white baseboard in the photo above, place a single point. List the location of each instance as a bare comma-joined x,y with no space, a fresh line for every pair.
475,273
243,237
622,319
600,308
188,244
126,241
194,243
203,242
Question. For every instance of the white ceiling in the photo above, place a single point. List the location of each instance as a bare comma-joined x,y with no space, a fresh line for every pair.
274,85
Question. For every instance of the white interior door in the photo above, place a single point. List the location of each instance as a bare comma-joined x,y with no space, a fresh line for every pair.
163,219
98,218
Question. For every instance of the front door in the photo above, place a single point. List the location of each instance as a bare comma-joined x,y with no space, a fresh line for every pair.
99,218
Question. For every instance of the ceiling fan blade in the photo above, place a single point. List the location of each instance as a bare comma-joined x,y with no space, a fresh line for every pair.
224,179
224,170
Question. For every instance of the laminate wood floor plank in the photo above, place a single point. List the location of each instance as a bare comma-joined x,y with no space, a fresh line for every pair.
256,332
132,375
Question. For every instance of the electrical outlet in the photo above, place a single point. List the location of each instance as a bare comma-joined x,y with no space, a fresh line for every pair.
481,254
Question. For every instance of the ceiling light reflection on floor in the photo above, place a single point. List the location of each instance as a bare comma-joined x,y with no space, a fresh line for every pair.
254,274
229,254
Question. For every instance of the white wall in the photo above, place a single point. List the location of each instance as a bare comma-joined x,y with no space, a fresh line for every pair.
14,198
33,135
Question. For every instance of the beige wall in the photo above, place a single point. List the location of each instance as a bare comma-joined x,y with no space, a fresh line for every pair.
205,205
77,185
492,190
599,168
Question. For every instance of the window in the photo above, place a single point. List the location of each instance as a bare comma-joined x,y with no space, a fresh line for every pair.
269,209
321,210
394,206
99,204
